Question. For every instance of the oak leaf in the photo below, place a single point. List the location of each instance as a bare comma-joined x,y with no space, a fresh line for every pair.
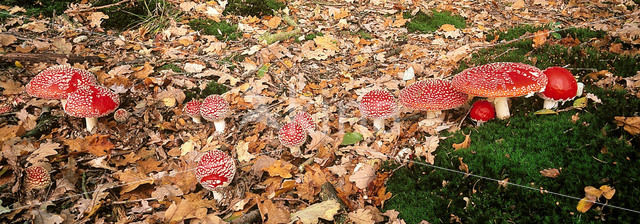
551,172
133,179
46,149
607,191
363,175
464,144
280,168
310,215
630,124
96,19
540,38
361,216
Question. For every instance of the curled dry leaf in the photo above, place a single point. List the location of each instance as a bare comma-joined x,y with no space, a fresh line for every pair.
280,168
464,144
630,124
551,172
607,191
310,215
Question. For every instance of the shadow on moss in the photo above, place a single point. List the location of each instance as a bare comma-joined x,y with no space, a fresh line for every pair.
253,7
221,30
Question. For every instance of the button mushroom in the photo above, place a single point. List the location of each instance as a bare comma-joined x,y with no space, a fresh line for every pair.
561,86
292,135
215,108
500,80
121,115
432,96
91,102
37,178
192,109
57,82
215,169
378,105
482,111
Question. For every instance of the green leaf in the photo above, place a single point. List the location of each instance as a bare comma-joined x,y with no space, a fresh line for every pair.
545,111
263,70
351,138
556,35
580,102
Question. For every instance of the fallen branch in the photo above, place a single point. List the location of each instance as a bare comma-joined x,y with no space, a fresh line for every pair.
99,7
269,38
250,217
46,57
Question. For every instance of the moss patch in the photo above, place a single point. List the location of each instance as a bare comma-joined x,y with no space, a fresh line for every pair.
424,23
36,8
213,87
222,30
590,151
253,7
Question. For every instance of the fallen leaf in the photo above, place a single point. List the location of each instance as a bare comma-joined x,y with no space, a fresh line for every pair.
6,40
580,102
100,162
242,150
133,179
630,124
351,138
35,26
62,46
545,112
96,18
540,38
607,191
274,22
46,149
276,213
464,144
310,215
518,4
551,172
447,27
592,192
463,166
363,174
193,67
143,72
585,204
361,216
280,168
11,87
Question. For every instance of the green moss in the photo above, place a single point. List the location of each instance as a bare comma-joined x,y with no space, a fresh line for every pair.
516,32
154,15
172,67
253,7
428,23
364,35
553,55
36,8
222,30
312,36
213,87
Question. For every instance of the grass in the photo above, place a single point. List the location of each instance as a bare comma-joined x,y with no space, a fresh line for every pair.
221,30
424,23
593,151
152,15
253,7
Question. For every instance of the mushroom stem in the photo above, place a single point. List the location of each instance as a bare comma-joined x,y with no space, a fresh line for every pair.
502,107
295,151
91,124
378,124
219,124
550,104
433,114
580,89
63,102
197,120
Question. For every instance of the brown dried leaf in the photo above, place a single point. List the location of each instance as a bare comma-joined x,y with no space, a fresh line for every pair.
464,144
11,87
6,40
96,19
310,215
276,213
361,216
363,175
607,191
540,38
280,168
133,179
631,124
463,166
551,172
46,149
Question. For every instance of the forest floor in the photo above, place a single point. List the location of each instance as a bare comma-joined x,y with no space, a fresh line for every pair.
272,59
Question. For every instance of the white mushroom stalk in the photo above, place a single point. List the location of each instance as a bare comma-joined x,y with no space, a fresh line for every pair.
502,107
219,125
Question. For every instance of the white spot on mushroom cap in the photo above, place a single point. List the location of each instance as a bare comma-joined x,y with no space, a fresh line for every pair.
58,82
214,107
216,163
91,101
500,79
432,95
378,104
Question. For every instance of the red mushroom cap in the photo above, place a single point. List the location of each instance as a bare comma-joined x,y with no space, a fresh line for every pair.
121,115
561,85
91,101
500,79
215,169
378,104
482,111
58,82
37,178
192,108
214,107
432,95
305,120
292,135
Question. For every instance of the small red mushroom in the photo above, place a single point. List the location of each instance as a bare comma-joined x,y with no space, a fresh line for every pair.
482,111
305,120
121,115
378,105
37,178
91,102
57,82
432,95
215,108
500,81
292,135
215,169
561,87
192,109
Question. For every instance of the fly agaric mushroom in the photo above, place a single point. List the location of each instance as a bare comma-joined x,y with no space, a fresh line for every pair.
292,135
305,120
378,105
57,82
91,102
432,96
561,86
192,109
482,111
215,169
500,81
37,178
121,115
215,108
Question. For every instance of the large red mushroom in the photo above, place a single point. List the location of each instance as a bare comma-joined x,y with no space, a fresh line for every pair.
215,169
561,87
500,81
433,96
215,108
292,135
91,102
57,82
378,105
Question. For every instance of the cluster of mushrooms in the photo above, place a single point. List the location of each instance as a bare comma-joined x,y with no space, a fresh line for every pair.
496,81
216,169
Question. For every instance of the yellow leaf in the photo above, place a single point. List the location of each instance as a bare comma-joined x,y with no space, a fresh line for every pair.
607,191
518,4
540,38
447,27
326,42
592,192
580,102
584,204
96,18
280,168
545,111
144,71
464,144
274,22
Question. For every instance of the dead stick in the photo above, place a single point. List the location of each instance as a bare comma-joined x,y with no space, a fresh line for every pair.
250,217
100,7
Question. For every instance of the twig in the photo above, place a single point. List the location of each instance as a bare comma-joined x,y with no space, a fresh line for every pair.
249,217
100,7
133,201
290,199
